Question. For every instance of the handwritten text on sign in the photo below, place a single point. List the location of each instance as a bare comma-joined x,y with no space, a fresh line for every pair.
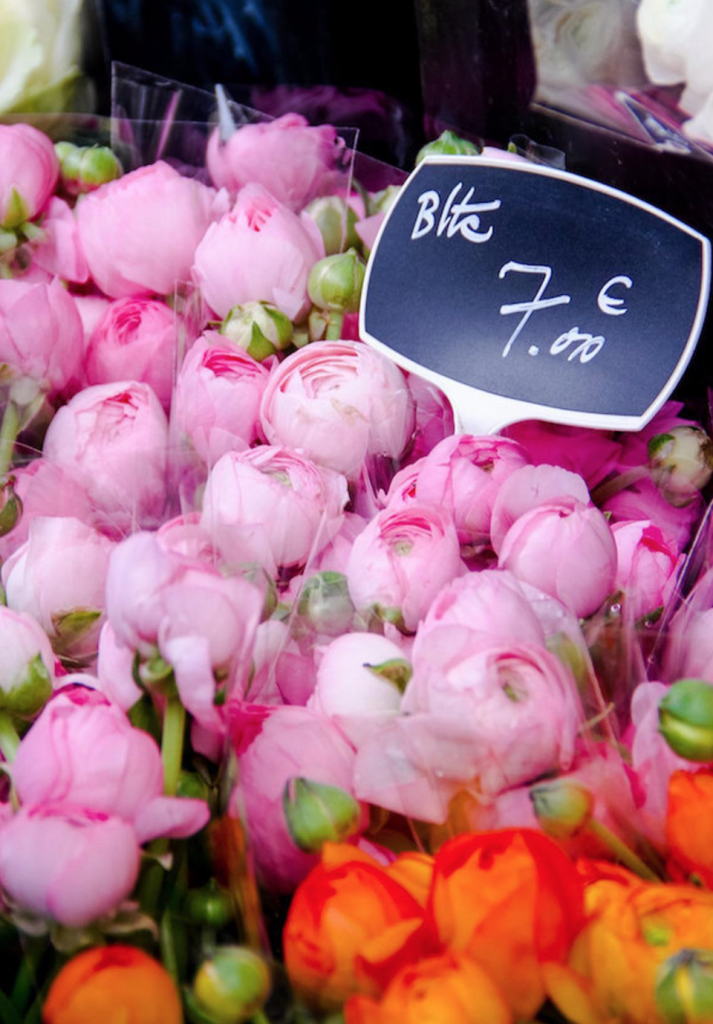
562,297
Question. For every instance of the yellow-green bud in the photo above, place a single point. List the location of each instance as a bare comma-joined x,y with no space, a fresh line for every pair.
325,603
681,463
335,282
10,506
232,986
686,719
448,144
562,808
316,813
336,221
84,168
259,328
16,212
684,987
381,202
25,697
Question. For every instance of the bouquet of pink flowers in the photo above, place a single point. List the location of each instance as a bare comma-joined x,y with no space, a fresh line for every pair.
308,704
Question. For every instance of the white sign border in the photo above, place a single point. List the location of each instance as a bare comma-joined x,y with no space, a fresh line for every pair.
493,411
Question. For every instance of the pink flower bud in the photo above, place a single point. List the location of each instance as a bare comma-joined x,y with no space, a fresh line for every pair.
29,169
40,333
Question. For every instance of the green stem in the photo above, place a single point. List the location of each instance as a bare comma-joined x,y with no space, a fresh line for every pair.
174,723
9,429
9,740
334,328
8,1013
609,488
27,972
168,947
622,852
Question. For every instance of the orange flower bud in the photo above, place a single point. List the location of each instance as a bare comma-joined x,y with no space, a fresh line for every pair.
448,988
512,901
616,961
114,985
350,928
689,823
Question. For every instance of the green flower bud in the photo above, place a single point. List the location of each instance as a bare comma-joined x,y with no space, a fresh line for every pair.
210,906
85,168
232,986
8,241
686,719
259,328
681,463
10,506
448,144
316,813
28,695
381,202
562,808
684,987
336,221
325,603
16,213
335,282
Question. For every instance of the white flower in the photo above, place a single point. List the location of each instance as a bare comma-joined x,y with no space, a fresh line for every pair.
676,38
39,48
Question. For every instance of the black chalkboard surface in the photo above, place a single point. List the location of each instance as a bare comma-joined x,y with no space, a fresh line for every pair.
526,292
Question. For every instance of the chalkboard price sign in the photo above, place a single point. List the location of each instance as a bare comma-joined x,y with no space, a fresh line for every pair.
530,293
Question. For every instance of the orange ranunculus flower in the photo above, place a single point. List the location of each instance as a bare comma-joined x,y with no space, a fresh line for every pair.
112,985
689,824
415,872
512,901
630,932
449,988
350,928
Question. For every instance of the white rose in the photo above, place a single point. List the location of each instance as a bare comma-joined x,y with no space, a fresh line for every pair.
39,48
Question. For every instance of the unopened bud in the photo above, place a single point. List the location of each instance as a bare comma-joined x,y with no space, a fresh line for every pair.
232,986
316,813
16,212
259,328
381,202
448,144
28,695
210,906
681,463
10,506
684,987
336,220
686,719
335,282
562,808
325,603
8,241
84,168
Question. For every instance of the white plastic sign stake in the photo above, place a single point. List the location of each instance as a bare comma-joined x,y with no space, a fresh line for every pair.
530,293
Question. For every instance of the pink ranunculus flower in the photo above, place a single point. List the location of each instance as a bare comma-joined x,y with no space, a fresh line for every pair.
134,340
492,604
113,437
282,673
59,251
40,333
217,401
26,655
434,416
90,756
593,454
67,864
293,742
463,475
273,506
652,760
529,487
140,232
567,550
401,560
44,490
646,566
200,621
115,670
287,156
41,578
29,170
260,251
354,686
643,500
338,401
